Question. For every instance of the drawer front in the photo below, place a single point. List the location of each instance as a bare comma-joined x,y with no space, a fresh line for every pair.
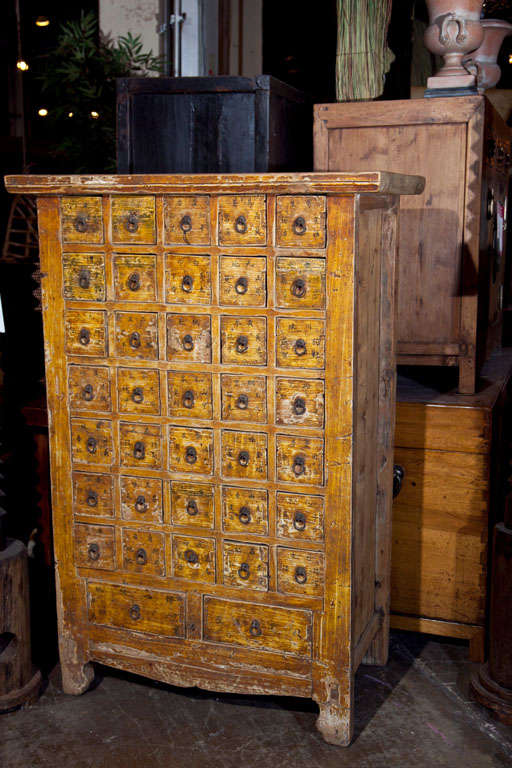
192,504
244,340
94,546
245,565
86,333
244,398
133,219
191,450
138,390
243,281
143,552
244,455
300,343
190,395
244,510
89,388
193,558
140,445
135,277
187,219
136,335
257,626
300,572
300,221
187,279
189,338
140,610
91,442
300,459
242,220
93,495
141,499
82,219
84,276
300,517
300,401
300,283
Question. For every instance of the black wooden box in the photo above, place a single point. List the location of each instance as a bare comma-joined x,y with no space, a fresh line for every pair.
212,124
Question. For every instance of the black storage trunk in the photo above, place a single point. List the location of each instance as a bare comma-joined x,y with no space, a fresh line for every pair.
212,124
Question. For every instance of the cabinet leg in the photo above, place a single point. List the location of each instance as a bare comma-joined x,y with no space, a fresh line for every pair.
467,375
335,723
378,650
76,677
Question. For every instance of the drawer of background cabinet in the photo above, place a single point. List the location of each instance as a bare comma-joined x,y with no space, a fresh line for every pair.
91,442
89,388
191,450
84,276
141,499
136,335
94,546
300,459
82,219
244,454
257,626
192,504
190,395
243,281
300,221
193,558
138,390
93,494
86,333
244,398
299,516
300,283
300,343
300,572
134,608
140,445
143,551
242,220
187,219
189,338
300,401
135,277
187,279
244,510
245,565
243,340
133,219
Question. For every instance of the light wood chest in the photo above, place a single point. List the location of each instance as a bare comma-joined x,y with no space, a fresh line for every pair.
220,378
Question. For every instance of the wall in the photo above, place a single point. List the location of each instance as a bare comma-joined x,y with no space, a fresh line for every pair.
117,17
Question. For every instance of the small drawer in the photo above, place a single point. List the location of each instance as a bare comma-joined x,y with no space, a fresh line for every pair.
187,219
244,398
300,343
242,220
300,459
243,340
191,450
143,552
93,495
192,504
89,388
243,281
244,454
137,609
300,517
245,565
133,219
82,219
187,279
244,510
261,627
300,401
141,499
84,276
193,558
94,546
138,390
190,395
300,283
300,572
91,442
136,335
140,445
135,277
189,338
300,221
86,333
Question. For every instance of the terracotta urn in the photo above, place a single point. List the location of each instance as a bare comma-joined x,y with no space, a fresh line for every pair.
454,31
483,61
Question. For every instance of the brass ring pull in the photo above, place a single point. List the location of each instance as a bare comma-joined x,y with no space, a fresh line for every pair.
241,285
141,557
187,342
131,222
93,551
134,612
186,223
92,445
139,450
187,283
134,281
242,402
191,508
141,504
84,336
244,571
80,223
299,521
190,454
84,279
138,395
241,225
91,498
300,347
244,515
299,406
300,575
191,557
242,345
298,288
88,393
188,399
299,465
255,628
299,225
243,458
134,340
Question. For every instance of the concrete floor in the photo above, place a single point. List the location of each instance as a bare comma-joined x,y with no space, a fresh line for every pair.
416,712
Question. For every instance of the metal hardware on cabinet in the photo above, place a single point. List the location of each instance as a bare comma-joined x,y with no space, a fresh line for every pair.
134,612
243,458
398,476
88,393
141,557
192,507
191,556
93,551
186,223
244,571
188,399
187,342
300,575
84,336
241,225
298,288
299,465
491,204
299,406
190,454
299,521
84,279
92,498
141,504
255,628
187,283
131,222
80,223
138,395
300,347
244,515
241,285
92,445
242,402
134,340
299,225
139,450
242,344
134,281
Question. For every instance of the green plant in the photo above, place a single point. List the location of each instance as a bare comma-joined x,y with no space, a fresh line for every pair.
79,82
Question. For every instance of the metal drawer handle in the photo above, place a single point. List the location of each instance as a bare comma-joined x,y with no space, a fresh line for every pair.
131,222
134,281
186,223
141,557
299,406
299,465
88,393
141,504
80,223
243,458
188,399
134,340
241,225
84,279
134,612
139,450
192,507
244,571
298,288
93,551
242,344
241,285
84,336
187,283
242,402
398,477
190,454
255,628
191,557
138,395
92,445
300,347
299,225
244,515
300,575
91,498
187,342
299,521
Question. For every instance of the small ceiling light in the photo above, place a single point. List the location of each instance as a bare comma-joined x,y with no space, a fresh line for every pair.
42,112
22,65
95,114
70,114
42,21
510,58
